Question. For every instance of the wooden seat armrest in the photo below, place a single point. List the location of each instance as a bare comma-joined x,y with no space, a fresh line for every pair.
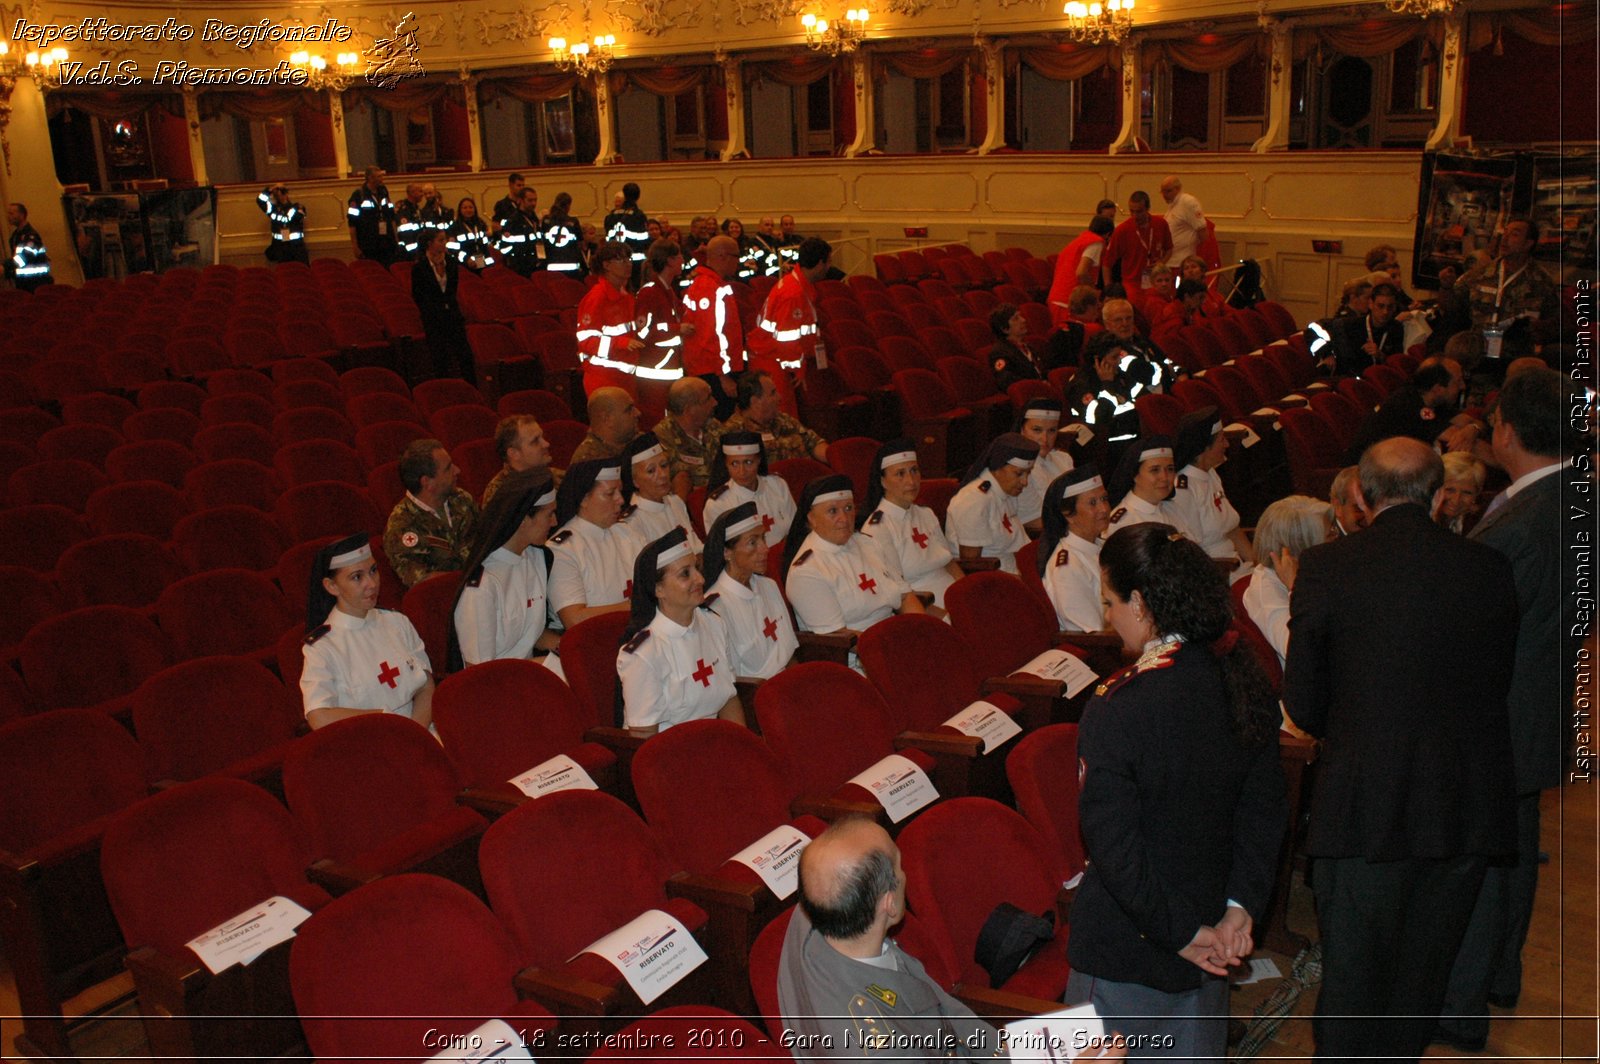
1090,640
1023,685
978,565
336,878
1001,1006
619,741
825,646
18,865
831,809
492,802
938,744
714,892
566,994
746,687
165,969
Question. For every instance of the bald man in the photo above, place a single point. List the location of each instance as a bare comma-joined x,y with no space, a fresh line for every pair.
688,433
613,423
715,350
843,982
1401,661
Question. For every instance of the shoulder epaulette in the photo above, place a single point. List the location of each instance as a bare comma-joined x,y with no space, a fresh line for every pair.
801,560
317,633
477,578
1114,681
710,599
560,537
876,518
1062,556
1183,481
718,491
1119,514
637,641
983,486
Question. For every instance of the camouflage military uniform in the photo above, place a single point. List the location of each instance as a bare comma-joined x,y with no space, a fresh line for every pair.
594,447
687,454
1528,293
420,542
785,438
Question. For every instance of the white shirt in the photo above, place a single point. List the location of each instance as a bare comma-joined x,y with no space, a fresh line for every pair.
593,565
1072,581
674,673
1188,224
761,636
1030,503
1266,602
835,586
1202,511
505,614
649,521
908,543
372,662
773,503
983,515
1133,510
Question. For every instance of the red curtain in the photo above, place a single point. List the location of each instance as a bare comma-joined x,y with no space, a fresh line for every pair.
660,81
529,88
922,63
1065,62
109,103
252,106
794,70
408,95
1552,27
1369,39
1205,54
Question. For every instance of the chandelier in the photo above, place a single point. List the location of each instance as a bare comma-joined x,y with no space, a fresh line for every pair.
320,74
1098,23
584,58
1421,8
43,66
837,37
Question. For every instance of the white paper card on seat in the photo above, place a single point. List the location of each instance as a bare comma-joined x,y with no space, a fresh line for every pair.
248,935
560,773
496,1040
1083,433
1054,1036
775,857
653,951
1057,664
986,721
1250,437
898,785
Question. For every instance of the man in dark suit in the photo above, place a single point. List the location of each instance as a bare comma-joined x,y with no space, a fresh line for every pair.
1530,440
1423,409
1361,340
1400,659
435,278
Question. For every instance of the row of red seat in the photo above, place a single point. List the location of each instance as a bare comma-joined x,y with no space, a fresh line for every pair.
958,265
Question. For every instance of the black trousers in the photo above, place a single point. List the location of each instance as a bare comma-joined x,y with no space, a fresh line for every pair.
451,354
1390,933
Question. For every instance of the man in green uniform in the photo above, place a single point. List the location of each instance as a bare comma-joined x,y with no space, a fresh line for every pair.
430,530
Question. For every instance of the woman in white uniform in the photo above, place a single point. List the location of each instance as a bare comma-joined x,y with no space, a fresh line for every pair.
652,510
835,583
1200,505
982,521
761,634
1040,421
1286,530
592,571
674,664
739,475
1143,483
1076,515
906,537
358,658
500,607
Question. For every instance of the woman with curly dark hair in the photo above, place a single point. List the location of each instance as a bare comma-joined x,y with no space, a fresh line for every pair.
1181,805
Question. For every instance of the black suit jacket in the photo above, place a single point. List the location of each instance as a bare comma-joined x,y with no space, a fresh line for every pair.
439,308
1400,658
1350,336
1527,530
1177,818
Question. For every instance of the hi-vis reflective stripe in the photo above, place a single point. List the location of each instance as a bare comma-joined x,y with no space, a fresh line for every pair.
31,271
607,335
564,267
558,236
724,297
288,234
786,335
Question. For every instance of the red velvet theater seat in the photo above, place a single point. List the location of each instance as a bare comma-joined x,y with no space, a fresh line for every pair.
562,872
325,508
499,719
223,611
127,569
984,603
94,656
375,796
589,659
180,864
215,715
416,953
962,859
61,776
1044,778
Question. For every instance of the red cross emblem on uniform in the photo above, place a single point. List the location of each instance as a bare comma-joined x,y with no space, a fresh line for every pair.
627,590
1216,500
766,523
703,672
530,604
770,629
1005,523
919,537
867,584
388,674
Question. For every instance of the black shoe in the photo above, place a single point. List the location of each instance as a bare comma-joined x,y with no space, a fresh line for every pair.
1445,1037
1503,1001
